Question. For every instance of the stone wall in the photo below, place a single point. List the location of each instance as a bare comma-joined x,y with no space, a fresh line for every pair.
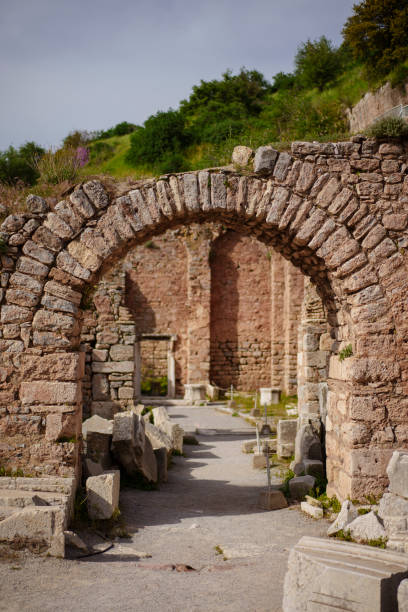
176,284
240,312
374,104
337,211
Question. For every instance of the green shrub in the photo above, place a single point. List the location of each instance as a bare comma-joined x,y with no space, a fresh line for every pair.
18,165
399,75
56,167
317,63
100,151
389,127
164,133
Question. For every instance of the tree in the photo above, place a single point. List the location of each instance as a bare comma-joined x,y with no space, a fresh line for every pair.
162,134
317,63
377,34
20,165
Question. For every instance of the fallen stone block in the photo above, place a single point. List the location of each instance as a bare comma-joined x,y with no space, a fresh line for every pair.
397,471
300,486
403,596
331,575
311,510
258,461
132,448
367,527
73,540
272,500
313,501
347,515
38,529
313,467
98,424
103,495
158,438
161,460
248,446
172,430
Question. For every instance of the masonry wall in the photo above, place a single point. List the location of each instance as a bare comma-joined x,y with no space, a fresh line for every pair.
240,312
156,294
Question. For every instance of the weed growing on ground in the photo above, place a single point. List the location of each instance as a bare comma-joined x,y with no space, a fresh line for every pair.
363,511
219,551
10,473
344,535
378,543
287,476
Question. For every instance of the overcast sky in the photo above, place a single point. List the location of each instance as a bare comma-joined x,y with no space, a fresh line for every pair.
89,64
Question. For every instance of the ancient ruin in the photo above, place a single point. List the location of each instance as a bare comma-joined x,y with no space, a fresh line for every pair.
336,211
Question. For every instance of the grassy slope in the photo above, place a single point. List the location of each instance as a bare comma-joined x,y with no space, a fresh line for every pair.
346,92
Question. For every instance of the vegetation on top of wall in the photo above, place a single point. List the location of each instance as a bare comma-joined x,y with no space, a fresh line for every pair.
310,103
388,127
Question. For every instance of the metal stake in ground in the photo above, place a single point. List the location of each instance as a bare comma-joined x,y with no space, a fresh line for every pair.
268,467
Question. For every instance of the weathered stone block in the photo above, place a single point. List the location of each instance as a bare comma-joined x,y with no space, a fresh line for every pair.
397,471
300,486
241,155
324,574
110,367
346,516
311,510
161,460
272,500
46,392
367,527
131,447
58,366
41,528
265,158
103,495
121,352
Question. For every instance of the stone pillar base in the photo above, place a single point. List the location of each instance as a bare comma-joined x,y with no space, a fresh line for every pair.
269,395
195,392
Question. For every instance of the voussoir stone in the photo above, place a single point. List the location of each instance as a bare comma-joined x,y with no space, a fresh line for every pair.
241,155
265,158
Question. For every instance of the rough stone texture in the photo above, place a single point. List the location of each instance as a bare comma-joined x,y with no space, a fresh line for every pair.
103,495
397,471
366,527
286,433
272,500
346,516
362,284
324,574
403,596
374,104
311,510
172,430
265,158
132,448
241,155
158,438
162,460
300,486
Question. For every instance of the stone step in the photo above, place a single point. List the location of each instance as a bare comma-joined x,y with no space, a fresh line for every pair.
22,499
52,484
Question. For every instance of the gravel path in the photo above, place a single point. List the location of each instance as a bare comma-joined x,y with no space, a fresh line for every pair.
207,511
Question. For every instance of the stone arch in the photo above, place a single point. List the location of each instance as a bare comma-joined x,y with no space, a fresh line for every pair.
337,211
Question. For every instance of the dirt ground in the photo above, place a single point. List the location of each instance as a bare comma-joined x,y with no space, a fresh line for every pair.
206,517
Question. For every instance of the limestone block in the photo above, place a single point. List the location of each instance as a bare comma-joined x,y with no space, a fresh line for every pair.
103,494
311,510
269,395
258,461
110,367
403,596
121,352
62,425
272,500
36,205
265,158
286,435
307,444
327,574
367,527
58,366
392,506
49,393
100,387
346,516
397,471
172,430
158,438
106,410
195,392
300,486
161,459
241,155
248,446
314,467
131,447
126,392
41,528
